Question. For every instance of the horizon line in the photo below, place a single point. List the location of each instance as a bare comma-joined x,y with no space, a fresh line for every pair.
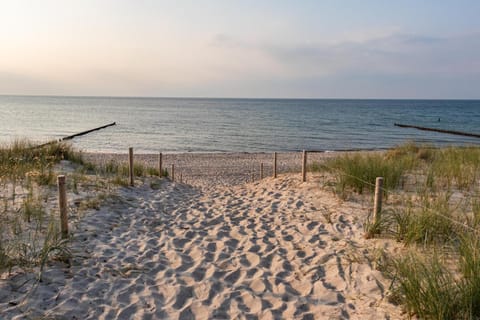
220,98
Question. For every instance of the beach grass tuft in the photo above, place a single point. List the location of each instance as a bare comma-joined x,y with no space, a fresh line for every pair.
427,288
430,289
29,233
358,172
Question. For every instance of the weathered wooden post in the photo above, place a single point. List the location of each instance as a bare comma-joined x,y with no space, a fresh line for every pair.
130,166
160,164
274,165
181,178
173,172
377,206
261,171
304,166
62,204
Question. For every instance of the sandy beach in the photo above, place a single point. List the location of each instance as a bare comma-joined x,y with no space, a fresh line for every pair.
239,160
214,170
216,247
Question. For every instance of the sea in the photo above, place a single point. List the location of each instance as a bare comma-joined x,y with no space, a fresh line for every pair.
178,125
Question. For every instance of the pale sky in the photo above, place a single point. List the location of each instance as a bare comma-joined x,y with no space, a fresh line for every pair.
244,48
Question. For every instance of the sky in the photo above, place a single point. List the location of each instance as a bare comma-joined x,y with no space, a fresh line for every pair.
241,48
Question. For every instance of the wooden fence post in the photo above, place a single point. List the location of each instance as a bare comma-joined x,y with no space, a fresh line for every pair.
181,178
173,172
377,206
160,164
62,204
130,162
261,171
304,166
274,165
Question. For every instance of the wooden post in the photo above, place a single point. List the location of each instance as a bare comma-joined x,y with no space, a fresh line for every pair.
304,166
181,178
173,172
261,171
62,204
130,162
377,207
160,164
274,165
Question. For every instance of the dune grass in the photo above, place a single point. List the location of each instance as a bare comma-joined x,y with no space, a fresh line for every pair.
28,233
427,288
435,211
358,172
430,289
447,168
118,172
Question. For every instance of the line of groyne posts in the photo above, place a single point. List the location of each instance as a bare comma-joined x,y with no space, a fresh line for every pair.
62,195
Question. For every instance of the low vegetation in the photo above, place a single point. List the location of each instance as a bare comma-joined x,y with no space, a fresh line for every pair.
433,207
29,232
358,172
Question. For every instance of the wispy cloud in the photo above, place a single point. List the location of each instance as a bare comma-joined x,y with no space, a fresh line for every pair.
397,53
396,63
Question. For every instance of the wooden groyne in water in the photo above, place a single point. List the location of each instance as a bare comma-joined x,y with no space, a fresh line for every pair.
87,131
75,135
458,133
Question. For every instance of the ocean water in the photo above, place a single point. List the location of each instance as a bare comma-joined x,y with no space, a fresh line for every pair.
232,125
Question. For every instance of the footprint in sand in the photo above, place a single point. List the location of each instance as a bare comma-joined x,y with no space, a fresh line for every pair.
303,287
252,258
258,286
174,258
199,274
234,276
253,303
184,294
201,290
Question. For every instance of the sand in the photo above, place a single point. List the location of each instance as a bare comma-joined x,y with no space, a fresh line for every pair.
217,249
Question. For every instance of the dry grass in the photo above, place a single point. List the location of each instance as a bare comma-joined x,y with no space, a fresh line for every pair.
435,208
29,233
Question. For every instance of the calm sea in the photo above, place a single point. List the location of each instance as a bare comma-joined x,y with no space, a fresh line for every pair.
251,125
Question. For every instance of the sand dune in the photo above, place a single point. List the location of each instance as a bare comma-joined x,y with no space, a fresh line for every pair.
273,249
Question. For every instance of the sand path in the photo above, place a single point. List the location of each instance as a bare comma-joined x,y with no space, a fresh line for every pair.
274,249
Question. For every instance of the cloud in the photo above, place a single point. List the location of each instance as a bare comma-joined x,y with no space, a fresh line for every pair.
394,65
371,65
223,40
396,54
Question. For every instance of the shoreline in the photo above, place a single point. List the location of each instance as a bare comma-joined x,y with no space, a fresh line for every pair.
209,170
148,152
